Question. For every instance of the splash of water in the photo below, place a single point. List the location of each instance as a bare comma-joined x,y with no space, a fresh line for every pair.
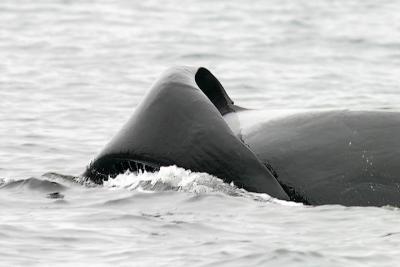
170,178
173,178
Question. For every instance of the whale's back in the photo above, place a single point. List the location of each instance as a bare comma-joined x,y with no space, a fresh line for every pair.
333,157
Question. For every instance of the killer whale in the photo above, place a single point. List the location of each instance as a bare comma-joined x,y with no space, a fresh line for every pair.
319,157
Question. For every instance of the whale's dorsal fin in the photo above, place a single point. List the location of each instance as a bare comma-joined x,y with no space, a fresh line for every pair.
214,90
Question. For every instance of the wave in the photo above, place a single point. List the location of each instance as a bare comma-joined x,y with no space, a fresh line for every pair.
167,179
32,184
173,178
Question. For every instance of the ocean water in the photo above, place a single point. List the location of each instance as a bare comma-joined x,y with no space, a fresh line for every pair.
72,72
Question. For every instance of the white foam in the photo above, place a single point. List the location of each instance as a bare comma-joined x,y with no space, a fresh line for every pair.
179,179
8,180
169,178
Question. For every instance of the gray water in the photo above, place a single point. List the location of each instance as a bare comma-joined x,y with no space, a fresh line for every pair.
72,72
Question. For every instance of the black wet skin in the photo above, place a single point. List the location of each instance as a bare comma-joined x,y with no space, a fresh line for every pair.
327,157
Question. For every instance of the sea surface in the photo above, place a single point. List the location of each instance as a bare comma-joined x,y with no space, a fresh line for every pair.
72,72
